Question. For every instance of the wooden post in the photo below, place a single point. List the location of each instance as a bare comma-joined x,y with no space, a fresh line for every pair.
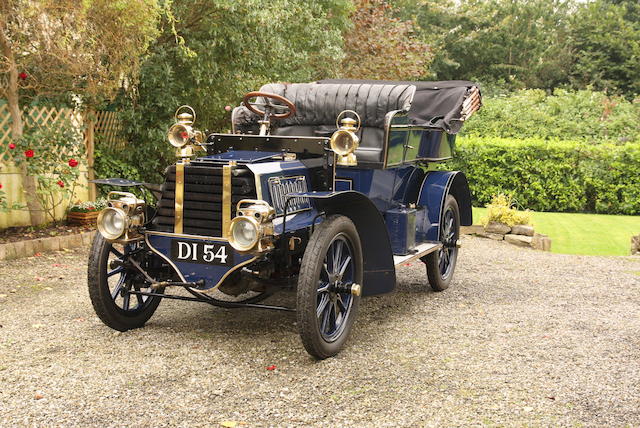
90,145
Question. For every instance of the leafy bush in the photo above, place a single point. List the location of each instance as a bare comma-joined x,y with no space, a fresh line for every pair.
110,163
553,175
502,210
583,115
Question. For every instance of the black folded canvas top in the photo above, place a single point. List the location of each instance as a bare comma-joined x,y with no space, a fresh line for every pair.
434,104
429,104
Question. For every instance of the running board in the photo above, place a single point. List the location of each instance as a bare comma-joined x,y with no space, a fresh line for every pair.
420,251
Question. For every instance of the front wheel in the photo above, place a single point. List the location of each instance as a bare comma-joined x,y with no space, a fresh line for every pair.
326,308
110,282
442,263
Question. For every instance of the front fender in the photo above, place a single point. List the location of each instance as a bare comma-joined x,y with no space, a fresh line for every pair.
379,270
435,188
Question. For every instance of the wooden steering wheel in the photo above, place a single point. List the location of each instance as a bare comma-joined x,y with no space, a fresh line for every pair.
288,105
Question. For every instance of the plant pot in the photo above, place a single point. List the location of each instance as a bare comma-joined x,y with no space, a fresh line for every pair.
83,219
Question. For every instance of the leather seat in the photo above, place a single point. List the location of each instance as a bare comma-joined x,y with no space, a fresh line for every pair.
318,106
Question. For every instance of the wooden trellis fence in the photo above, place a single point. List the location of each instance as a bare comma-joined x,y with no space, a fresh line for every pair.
106,125
108,129
100,128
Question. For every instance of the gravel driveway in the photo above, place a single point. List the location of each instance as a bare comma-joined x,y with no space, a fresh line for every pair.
521,338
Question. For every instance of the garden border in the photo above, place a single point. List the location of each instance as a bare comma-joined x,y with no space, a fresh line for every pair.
30,247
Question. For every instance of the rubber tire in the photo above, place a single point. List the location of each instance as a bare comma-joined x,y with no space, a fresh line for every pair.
100,296
432,260
312,262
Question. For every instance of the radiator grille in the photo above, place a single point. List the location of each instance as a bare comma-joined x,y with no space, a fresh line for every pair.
279,187
202,211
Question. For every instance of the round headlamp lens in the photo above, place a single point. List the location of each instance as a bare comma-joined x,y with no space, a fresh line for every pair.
244,234
112,223
344,142
178,135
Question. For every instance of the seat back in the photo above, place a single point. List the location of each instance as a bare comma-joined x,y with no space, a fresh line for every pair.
318,106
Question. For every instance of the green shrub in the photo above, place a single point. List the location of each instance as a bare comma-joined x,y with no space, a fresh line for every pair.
502,210
551,175
110,163
583,115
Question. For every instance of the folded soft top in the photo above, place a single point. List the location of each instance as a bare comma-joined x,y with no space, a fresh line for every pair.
434,104
443,105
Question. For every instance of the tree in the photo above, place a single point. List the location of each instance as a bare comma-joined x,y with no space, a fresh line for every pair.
60,48
382,46
211,52
606,47
514,43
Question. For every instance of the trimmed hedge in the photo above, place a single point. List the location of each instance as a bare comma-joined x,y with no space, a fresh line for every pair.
543,175
564,115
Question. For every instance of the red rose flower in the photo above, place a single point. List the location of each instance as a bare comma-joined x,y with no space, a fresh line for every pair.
23,76
60,183
12,146
29,153
0,185
73,163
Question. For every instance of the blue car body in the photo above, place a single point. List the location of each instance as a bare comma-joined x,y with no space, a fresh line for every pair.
394,195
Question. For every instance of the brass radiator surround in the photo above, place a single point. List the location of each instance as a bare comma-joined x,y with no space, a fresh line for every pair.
179,198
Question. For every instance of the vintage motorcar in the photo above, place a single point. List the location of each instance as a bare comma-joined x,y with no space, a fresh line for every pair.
322,188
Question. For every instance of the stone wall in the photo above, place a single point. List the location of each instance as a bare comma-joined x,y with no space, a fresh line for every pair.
635,245
520,235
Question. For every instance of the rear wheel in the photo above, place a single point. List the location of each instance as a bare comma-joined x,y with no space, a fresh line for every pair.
109,285
442,263
326,308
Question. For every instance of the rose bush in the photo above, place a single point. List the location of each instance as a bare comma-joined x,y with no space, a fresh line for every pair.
50,156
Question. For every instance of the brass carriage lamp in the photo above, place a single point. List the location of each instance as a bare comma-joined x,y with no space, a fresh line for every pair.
182,135
344,141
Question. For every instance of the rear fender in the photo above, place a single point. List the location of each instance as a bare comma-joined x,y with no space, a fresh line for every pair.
433,193
379,270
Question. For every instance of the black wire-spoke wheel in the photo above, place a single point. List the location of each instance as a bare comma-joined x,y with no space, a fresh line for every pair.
442,263
110,285
326,307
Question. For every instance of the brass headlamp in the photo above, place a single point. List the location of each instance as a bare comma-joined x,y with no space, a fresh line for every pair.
344,141
251,231
182,133
120,220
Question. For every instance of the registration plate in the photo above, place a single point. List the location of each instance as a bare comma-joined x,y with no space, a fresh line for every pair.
209,253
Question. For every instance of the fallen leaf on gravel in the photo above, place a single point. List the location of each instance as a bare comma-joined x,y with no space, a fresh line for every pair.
229,424
38,396
39,278
271,367
407,264
49,288
2,296
551,398
37,255
37,325
79,319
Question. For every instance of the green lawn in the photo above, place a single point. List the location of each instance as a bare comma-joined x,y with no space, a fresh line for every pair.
590,234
